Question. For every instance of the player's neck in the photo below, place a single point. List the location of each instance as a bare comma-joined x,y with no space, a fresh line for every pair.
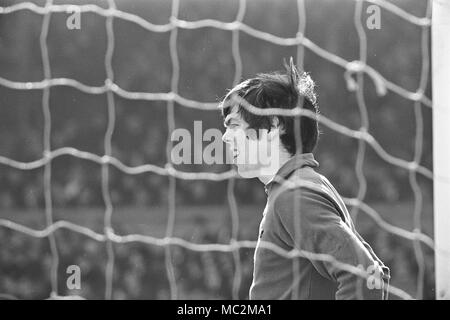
284,157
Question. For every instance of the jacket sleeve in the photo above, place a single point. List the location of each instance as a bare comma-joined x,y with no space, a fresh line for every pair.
312,223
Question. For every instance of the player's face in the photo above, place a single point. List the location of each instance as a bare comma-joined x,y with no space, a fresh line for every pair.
251,154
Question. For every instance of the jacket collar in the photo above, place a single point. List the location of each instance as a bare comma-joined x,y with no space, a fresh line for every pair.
296,162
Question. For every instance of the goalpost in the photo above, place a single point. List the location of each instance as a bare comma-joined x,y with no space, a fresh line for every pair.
441,150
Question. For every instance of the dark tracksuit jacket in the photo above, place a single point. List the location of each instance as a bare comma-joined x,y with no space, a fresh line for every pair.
311,216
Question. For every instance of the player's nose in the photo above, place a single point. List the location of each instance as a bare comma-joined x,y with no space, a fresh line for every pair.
226,137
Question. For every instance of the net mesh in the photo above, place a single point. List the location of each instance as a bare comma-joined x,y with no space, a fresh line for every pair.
353,72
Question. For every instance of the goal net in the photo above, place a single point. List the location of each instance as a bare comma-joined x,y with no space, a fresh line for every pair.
372,66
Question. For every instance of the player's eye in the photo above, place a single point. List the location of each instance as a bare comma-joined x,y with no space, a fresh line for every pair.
250,134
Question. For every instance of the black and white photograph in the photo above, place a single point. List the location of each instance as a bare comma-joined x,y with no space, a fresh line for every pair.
243,151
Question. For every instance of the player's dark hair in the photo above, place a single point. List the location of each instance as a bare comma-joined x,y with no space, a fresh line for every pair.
279,90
